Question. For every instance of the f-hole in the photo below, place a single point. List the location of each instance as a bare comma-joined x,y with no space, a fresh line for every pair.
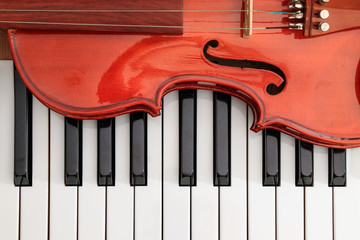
271,89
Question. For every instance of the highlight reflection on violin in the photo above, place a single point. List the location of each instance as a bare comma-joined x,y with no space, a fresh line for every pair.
296,64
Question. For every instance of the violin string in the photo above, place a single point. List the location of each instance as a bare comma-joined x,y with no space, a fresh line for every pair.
141,26
145,11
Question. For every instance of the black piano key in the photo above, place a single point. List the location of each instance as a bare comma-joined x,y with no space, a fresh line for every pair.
222,141
73,152
23,133
337,167
138,149
304,160
271,157
106,152
187,148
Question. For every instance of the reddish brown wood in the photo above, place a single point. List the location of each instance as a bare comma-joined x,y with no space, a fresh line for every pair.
5,53
73,21
93,75
247,18
344,14
89,4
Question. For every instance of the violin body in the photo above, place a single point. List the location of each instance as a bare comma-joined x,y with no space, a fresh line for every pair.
305,86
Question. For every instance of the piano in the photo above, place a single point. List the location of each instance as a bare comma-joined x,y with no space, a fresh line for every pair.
242,208
196,172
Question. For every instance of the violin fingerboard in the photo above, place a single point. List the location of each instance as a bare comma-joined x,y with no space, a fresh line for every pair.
5,53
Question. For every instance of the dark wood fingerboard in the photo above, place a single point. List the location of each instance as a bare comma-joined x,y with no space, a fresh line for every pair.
5,53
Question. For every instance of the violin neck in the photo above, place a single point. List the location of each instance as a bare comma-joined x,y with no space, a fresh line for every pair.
93,15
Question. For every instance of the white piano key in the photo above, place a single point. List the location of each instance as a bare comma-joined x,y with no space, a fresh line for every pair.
318,215
290,199
34,200
91,197
120,199
347,199
176,199
9,207
233,223
261,200
204,195
148,198
63,200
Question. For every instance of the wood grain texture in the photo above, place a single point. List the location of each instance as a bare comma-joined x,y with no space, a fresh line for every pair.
53,17
248,18
89,4
5,53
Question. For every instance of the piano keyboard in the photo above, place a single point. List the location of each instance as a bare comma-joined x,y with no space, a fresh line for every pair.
138,177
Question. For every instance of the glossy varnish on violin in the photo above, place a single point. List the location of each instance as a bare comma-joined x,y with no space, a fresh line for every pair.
307,87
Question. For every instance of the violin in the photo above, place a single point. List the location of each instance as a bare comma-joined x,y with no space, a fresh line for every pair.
295,63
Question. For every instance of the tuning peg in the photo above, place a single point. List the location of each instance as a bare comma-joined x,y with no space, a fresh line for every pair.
323,2
324,14
324,26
